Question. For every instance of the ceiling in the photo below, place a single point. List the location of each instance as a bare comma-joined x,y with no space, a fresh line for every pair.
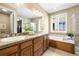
28,10
23,9
53,7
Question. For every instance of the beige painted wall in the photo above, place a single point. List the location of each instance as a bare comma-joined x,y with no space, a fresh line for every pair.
70,12
5,19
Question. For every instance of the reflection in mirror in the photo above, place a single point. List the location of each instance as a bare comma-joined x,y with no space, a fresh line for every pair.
11,25
37,24
5,27
19,25
30,28
5,11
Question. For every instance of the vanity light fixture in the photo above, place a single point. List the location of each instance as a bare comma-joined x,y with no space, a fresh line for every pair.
37,12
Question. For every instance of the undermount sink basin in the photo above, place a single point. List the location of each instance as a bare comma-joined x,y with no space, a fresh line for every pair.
12,39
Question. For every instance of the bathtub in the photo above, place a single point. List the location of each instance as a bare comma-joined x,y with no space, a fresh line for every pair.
61,38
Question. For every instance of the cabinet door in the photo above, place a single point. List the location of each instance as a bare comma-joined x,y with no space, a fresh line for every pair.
27,51
14,54
45,47
46,43
38,46
9,51
38,42
39,51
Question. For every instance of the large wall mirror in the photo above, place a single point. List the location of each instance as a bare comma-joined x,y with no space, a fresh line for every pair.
5,22
13,23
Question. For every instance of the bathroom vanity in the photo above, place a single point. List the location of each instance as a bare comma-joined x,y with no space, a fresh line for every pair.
27,45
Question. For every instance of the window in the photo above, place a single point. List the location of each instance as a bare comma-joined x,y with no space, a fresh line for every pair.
59,23
53,26
61,26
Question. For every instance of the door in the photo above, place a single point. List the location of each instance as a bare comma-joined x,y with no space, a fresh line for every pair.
46,42
19,26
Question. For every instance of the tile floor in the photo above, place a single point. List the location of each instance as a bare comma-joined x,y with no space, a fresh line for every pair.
56,52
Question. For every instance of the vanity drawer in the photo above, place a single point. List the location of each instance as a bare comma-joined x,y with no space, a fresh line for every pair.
25,44
8,51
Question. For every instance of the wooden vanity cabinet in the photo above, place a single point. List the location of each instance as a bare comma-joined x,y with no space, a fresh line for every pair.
38,46
9,51
27,48
46,42
32,47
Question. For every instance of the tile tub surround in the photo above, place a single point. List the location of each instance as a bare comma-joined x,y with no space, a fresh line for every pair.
61,38
5,42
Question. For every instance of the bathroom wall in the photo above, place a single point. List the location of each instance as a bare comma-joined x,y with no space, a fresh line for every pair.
5,22
72,26
76,18
70,12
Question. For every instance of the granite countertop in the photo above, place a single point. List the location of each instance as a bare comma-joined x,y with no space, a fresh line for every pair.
6,42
